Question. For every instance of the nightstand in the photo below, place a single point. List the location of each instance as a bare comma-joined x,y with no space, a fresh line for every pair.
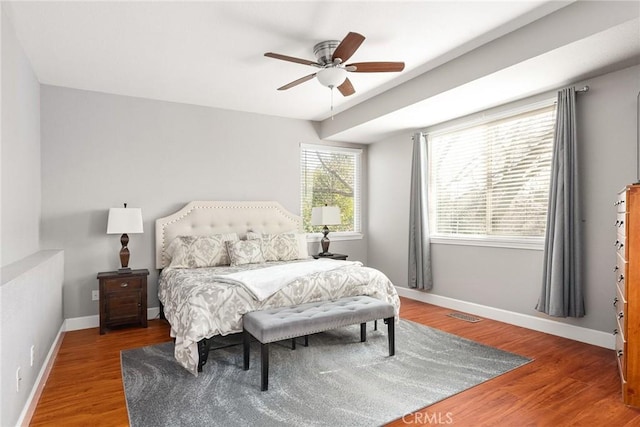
334,256
123,299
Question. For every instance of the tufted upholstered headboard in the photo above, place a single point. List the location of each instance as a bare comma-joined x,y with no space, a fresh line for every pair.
211,217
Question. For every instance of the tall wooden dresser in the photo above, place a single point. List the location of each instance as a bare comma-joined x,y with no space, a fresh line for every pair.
627,299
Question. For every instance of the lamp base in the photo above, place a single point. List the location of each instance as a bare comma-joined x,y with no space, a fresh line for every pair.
323,254
125,270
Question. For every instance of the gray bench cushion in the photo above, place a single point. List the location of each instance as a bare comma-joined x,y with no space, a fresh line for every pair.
305,319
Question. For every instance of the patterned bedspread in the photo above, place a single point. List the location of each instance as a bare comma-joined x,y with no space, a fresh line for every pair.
198,307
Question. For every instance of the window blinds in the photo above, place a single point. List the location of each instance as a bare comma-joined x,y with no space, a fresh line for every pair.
331,176
492,179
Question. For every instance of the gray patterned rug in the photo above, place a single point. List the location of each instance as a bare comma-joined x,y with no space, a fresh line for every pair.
336,381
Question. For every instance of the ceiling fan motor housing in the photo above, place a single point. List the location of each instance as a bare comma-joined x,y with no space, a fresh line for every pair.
324,51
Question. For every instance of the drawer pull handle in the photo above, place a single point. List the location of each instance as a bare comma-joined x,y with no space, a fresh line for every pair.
621,278
620,223
620,315
124,285
615,301
620,353
615,331
616,268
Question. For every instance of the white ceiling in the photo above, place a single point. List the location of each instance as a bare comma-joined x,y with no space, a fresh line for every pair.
211,53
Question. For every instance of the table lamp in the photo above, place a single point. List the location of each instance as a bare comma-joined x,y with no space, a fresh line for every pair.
124,221
325,215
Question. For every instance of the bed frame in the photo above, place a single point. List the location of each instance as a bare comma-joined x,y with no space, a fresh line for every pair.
202,218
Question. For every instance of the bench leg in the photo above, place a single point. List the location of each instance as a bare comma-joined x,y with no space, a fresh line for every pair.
390,321
246,343
306,340
264,356
375,325
363,332
293,343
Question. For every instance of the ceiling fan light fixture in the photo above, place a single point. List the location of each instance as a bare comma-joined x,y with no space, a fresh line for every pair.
332,76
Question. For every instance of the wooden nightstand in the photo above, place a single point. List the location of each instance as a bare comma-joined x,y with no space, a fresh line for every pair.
123,298
334,256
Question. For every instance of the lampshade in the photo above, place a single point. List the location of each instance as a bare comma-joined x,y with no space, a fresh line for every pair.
325,215
332,76
124,221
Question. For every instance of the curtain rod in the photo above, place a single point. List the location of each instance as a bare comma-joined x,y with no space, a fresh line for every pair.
584,89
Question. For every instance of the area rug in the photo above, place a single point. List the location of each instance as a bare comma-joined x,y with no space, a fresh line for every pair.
336,381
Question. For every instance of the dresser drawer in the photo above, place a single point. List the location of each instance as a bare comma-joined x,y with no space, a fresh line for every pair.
621,354
620,306
622,223
621,246
621,271
124,284
621,203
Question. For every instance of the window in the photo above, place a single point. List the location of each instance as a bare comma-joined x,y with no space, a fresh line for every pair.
331,176
491,180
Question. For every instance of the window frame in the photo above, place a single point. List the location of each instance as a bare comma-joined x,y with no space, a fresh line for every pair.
514,242
338,235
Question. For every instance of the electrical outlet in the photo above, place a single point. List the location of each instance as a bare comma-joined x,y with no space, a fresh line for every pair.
33,354
95,295
18,379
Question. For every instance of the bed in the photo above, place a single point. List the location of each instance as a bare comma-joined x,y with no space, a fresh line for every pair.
212,274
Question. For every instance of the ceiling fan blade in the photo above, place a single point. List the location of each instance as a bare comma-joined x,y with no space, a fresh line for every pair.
346,88
291,59
297,82
348,46
376,67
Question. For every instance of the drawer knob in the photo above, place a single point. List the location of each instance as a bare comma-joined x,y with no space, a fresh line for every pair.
615,331
615,301
616,268
621,278
620,315
124,284
620,353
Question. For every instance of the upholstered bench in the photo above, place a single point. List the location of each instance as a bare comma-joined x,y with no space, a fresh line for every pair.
283,323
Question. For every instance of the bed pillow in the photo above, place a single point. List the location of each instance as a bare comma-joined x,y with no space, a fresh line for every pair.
245,252
200,251
282,246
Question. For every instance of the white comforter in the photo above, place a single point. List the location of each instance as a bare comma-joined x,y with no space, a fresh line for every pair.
264,282
198,305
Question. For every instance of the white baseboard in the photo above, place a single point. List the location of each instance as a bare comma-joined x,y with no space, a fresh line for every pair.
576,333
38,385
86,322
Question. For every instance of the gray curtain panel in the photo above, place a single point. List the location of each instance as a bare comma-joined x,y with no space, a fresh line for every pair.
419,242
562,293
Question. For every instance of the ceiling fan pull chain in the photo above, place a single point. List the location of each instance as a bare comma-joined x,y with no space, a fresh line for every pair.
331,89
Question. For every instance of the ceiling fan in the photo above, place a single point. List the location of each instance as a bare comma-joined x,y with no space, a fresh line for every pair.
331,56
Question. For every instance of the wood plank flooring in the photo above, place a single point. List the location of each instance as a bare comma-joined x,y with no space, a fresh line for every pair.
567,384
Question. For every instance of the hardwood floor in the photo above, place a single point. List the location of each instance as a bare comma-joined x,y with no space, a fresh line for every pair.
567,384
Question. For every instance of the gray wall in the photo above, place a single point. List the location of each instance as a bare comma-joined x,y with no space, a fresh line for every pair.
21,193
510,279
101,150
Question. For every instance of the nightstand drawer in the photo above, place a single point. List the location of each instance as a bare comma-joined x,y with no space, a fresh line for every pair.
124,284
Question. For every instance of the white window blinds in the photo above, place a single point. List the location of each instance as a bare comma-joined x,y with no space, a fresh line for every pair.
492,179
330,176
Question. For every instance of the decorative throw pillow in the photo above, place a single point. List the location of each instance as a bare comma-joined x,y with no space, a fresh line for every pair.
200,251
278,247
245,252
